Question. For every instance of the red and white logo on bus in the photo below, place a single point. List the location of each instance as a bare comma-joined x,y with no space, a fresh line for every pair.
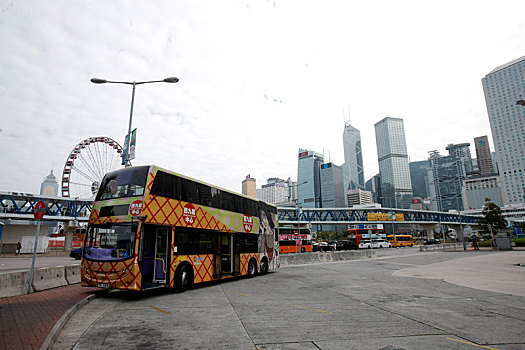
247,222
188,214
135,208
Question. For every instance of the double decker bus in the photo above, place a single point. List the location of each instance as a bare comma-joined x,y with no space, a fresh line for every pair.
401,240
359,235
150,227
290,241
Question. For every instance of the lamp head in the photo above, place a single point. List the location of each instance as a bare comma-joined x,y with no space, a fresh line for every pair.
171,80
98,81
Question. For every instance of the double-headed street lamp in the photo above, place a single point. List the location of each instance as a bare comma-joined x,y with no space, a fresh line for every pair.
134,83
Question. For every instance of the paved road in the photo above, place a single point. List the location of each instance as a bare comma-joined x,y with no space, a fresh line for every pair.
23,262
367,304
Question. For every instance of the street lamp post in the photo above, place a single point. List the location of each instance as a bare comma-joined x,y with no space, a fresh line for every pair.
133,83
298,247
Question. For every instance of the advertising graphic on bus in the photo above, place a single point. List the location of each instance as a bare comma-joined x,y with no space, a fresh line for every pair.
401,240
150,227
290,241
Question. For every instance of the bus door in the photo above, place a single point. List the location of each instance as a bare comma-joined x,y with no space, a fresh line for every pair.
161,255
227,259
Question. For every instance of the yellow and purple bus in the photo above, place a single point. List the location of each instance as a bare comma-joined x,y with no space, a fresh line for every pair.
150,227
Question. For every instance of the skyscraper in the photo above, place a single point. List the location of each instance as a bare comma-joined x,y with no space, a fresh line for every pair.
503,87
392,155
353,170
332,191
308,169
49,186
445,179
462,151
483,155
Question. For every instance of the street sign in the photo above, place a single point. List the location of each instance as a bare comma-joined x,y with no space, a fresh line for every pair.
40,209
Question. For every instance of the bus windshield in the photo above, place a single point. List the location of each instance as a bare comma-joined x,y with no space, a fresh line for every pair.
121,183
111,242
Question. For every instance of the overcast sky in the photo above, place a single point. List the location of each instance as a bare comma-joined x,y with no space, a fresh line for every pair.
258,80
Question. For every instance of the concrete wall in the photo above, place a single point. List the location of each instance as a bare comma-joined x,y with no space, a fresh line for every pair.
16,283
317,257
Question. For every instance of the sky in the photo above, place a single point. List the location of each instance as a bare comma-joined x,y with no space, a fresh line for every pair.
258,80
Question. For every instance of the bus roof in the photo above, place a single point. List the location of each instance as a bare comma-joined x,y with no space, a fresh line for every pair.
156,168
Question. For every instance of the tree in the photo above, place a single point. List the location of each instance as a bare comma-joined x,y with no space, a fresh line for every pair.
493,216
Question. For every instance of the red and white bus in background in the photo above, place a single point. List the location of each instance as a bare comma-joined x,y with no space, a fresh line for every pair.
290,241
57,240
365,234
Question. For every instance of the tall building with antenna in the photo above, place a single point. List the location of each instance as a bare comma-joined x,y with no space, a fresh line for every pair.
353,171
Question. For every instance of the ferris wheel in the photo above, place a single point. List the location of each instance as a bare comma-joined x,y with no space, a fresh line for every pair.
87,164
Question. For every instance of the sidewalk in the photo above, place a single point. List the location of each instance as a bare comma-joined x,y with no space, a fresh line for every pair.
26,320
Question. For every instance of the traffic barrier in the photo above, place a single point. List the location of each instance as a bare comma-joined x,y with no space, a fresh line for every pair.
318,257
15,283
47,278
72,274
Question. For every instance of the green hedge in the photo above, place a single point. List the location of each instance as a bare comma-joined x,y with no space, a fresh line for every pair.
519,242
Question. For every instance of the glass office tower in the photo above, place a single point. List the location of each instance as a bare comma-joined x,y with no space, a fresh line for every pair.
308,169
392,155
332,192
353,171
503,87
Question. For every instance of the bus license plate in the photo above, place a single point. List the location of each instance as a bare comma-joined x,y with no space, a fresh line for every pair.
103,285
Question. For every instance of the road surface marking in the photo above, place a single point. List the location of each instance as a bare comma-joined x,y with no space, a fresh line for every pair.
246,295
156,308
309,308
474,344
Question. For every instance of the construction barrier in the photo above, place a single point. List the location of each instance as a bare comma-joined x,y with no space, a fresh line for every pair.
14,283
17,283
72,274
47,278
318,257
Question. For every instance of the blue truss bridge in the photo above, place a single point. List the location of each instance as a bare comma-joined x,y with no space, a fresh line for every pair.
335,216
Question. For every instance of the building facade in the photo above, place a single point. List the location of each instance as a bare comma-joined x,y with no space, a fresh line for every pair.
418,176
462,151
503,87
332,191
353,170
374,186
309,178
332,186
249,187
476,189
274,193
396,185
49,186
445,178
483,156
358,197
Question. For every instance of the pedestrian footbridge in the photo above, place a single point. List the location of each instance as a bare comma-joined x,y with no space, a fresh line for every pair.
340,216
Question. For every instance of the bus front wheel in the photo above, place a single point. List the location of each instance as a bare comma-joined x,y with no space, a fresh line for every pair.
303,250
183,278
252,268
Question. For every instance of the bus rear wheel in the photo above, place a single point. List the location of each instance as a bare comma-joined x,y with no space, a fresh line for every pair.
183,278
264,266
252,268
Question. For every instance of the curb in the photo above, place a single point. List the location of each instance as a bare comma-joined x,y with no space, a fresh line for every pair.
57,328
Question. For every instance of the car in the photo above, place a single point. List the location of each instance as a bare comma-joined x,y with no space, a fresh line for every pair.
346,245
321,247
430,241
76,253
